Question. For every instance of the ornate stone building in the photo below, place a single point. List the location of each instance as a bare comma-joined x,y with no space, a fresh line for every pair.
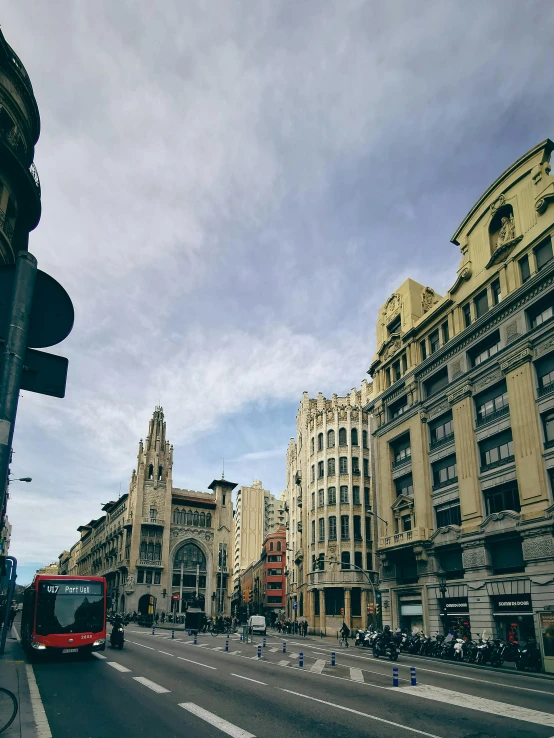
174,544
463,408
329,497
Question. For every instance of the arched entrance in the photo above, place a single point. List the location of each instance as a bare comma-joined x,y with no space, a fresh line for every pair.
146,609
189,576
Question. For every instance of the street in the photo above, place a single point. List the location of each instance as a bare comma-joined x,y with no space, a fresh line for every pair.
170,687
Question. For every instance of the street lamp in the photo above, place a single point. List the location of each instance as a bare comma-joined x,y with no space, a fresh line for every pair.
331,562
21,479
370,512
441,578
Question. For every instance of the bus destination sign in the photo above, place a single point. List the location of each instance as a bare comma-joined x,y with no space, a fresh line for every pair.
71,588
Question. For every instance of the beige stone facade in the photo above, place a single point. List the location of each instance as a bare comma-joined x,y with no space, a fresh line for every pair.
463,426
160,540
330,503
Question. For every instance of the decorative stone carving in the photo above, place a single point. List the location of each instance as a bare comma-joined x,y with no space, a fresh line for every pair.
473,557
427,299
505,520
422,566
456,369
392,348
388,572
507,232
392,306
458,394
420,554
519,357
493,376
538,548
544,348
498,203
540,171
464,273
436,410
178,531
512,332
130,584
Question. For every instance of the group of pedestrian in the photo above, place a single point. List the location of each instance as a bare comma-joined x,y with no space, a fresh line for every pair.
297,627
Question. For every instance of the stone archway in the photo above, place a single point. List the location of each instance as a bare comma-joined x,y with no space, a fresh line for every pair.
191,563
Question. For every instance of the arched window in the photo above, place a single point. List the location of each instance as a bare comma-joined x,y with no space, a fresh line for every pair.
331,439
364,438
191,556
278,545
151,471
202,520
209,520
189,517
183,517
354,436
331,467
195,518
342,436
320,442
271,545
160,472
176,516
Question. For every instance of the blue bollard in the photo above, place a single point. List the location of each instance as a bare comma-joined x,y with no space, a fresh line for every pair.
190,633
226,644
395,676
333,658
173,634
301,660
284,646
195,639
264,642
241,637
153,629
413,679
259,652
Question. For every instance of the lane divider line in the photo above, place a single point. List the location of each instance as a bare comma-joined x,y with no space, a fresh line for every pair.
152,685
117,666
99,655
165,653
197,663
248,679
233,730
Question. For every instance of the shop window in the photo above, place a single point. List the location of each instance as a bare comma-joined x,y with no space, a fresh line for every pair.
441,430
342,437
524,269
436,383
503,497
356,495
486,349
344,495
543,253
343,465
444,472
331,439
345,560
332,528
334,600
492,404
448,514
466,312
356,601
404,485
506,555
316,601
481,303
320,498
497,450
344,527
332,496
495,292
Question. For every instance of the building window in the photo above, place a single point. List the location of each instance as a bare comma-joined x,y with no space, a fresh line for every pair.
366,467
406,523
395,326
332,528
436,383
492,404
331,439
366,497
313,445
548,425
481,303
442,430
444,472
504,497
355,465
342,437
497,450
541,311
369,561
345,560
157,577
486,349
320,498
344,495
368,528
344,527
320,469
396,372
466,311
357,528
271,545
354,436
402,453
313,531
278,545
140,576
495,292
320,442
364,439
423,347
332,496
404,485
149,577
343,465
506,555
331,467
356,491
208,520
445,333
313,500
448,515
434,342
398,408
313,473
543,253
358,562
524,269
321,530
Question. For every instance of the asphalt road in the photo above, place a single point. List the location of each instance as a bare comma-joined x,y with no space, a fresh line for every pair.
162,687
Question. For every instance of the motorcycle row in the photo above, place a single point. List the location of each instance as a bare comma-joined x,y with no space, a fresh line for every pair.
483,650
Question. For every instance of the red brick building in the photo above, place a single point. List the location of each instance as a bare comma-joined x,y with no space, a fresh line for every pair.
273,585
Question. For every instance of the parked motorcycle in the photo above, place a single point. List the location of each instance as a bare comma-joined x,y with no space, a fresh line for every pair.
529,656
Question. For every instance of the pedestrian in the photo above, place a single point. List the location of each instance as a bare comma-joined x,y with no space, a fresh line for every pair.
163,617
13,613
157,617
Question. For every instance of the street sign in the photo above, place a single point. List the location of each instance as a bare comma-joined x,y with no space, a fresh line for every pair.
295,605
51,318
175,596
44,373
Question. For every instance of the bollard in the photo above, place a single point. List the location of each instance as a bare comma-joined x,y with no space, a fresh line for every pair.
195,639
190,633
284,646
173,634
241,636
259,652
226,644
264,642
413,679
153,629
395,676
301,659
333,658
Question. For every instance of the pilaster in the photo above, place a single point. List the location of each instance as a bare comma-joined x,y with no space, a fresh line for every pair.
466,456
348,607
322,623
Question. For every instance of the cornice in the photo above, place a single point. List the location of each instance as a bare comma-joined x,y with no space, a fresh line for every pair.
460,392
515,359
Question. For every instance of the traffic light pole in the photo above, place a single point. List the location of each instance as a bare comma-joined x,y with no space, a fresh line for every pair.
12,357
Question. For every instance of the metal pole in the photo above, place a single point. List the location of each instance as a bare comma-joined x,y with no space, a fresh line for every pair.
12,356
9,597
197,579
181,587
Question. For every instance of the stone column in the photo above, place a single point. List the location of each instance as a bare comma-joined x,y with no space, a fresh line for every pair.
312,594
476,562
364,601
348,606
528,447
322,624
466,456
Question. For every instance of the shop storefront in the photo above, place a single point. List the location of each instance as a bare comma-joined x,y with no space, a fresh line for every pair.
546,624
455,615
513,615
411,614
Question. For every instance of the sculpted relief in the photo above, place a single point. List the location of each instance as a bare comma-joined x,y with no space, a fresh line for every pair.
427,299
392,306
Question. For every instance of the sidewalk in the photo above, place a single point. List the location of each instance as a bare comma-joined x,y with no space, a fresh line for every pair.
13,676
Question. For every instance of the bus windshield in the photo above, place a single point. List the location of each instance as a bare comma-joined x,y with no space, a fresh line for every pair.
70,607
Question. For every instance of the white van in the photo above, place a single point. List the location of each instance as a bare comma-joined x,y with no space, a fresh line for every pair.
256,624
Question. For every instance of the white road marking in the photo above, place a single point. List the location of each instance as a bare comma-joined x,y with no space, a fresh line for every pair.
469,701
151,685
99,655
197,663
358,712
166,654
41,721
273,650
356,675
317,668
201,645
216,721
117,666
217,648
142,645
235,653
248,679
320,653
293,655
283,663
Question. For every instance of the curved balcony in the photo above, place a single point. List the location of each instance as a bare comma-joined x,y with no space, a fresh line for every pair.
153,521
336,576
145,562
401,539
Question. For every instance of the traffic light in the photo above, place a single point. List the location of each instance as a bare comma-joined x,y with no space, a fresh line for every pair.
370,609
342,611
377,608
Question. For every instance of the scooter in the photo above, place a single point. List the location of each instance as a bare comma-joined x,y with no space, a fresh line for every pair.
529,657
117,637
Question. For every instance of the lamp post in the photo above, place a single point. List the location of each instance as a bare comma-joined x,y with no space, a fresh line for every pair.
331,562
441,578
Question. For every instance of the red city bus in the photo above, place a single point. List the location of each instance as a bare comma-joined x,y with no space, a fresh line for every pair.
64,614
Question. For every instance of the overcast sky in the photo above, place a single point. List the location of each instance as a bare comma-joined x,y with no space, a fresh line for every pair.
230,191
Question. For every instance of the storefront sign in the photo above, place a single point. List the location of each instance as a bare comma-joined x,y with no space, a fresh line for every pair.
455,606
511,603
411,609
